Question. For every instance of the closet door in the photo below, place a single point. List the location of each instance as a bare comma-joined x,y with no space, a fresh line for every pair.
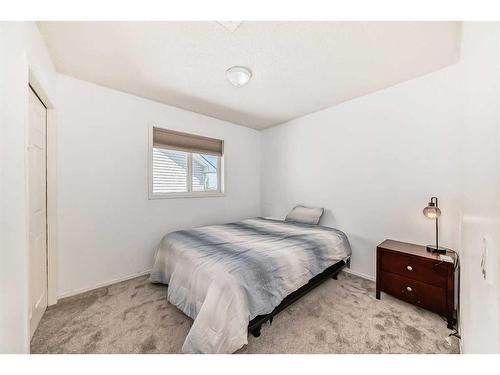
37,193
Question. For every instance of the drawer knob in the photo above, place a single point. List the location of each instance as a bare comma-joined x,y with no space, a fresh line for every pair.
409,289
409,268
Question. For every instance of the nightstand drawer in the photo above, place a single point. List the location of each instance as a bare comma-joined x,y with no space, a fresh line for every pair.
424,295
427,271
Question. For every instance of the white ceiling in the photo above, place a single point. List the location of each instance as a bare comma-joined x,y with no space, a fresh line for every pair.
298,67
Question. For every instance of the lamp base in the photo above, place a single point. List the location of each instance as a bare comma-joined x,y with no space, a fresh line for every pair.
434,249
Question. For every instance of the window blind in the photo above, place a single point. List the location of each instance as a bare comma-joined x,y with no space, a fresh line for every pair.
170,171
174,140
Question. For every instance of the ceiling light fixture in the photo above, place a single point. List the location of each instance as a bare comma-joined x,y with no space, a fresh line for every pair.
238,75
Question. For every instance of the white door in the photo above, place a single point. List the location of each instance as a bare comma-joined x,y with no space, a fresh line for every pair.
37,186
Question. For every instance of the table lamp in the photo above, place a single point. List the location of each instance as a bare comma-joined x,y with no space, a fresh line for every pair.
432,211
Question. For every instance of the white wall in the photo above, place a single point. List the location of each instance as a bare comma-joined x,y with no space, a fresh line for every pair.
373,163
480,181
107,226
21,49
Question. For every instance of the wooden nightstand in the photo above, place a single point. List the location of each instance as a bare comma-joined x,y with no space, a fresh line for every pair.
412,274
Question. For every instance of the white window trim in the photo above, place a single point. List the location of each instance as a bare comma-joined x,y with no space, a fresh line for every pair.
192,194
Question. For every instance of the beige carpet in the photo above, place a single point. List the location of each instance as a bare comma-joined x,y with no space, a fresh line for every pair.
340,316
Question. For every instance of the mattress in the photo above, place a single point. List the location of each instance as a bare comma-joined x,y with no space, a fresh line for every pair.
222,276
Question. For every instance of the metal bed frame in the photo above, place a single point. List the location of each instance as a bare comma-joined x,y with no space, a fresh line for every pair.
255,324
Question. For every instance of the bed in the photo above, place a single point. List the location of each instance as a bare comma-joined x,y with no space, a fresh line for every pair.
231,278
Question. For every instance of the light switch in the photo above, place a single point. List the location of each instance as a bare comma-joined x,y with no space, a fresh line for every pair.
487,267
484,258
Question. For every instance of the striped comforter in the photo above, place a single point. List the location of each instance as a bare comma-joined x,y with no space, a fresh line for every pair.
222,276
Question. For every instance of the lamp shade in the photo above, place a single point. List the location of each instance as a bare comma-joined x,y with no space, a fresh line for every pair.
431,211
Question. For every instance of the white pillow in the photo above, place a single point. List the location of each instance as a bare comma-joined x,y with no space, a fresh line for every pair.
305,215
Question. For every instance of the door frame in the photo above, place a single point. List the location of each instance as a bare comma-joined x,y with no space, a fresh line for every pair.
51,176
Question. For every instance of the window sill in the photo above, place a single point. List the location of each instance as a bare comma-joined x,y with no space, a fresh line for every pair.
186,195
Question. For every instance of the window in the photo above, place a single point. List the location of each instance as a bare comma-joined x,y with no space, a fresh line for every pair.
185,165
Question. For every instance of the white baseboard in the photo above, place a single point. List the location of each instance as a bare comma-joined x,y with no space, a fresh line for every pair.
133,276
105,283
356,273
